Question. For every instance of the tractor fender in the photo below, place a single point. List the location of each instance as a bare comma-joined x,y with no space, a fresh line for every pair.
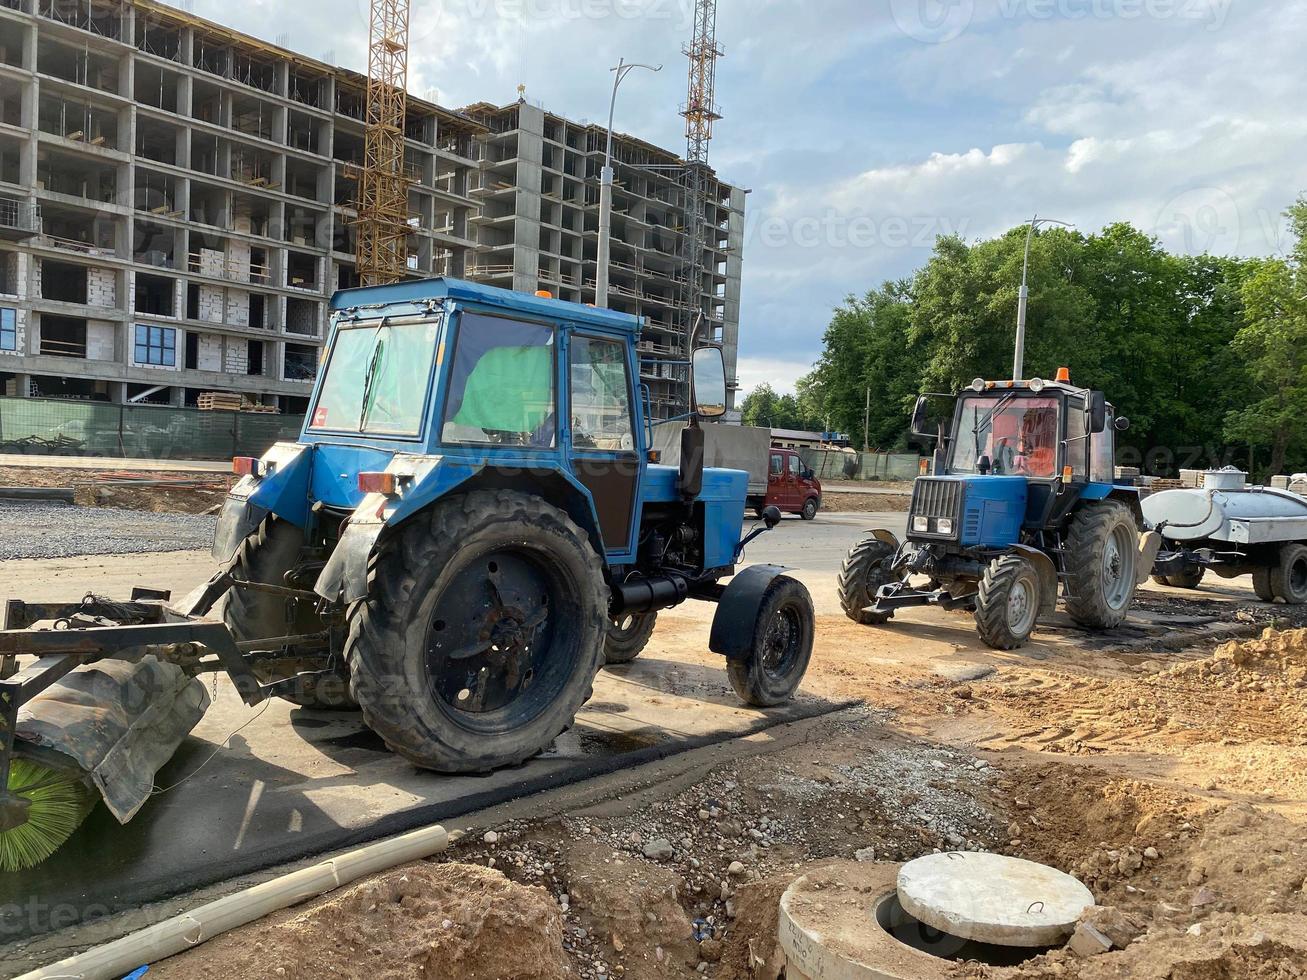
423,482
281,490
737,611
886,537
1047,572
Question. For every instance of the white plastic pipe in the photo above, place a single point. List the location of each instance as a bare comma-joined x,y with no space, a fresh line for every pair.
189,929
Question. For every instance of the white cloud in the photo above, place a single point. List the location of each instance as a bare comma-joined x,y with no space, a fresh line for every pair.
780,374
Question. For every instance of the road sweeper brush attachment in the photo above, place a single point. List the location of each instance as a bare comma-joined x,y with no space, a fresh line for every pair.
98,733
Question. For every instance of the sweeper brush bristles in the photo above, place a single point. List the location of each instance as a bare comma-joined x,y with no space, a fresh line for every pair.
59,802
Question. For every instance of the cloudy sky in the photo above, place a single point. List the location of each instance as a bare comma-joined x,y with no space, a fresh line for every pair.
864,128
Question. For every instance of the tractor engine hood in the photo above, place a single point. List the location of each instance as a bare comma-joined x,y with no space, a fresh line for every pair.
972,511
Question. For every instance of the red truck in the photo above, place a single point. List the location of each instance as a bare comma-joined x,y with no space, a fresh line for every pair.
791,486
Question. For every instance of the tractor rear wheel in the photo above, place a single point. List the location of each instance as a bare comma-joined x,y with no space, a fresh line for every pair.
628,635
1007,604
266,556
1289,577
866,568
781,646
482,634
1102,560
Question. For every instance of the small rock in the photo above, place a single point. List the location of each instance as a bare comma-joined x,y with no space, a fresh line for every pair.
659,850
1087,941
1204,896
710,950
1117,926
736,868
865,854
491,837
1151,853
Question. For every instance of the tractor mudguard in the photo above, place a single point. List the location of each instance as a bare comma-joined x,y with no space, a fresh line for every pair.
737,611
116,721
282,490
1047,572
887,537
1150,545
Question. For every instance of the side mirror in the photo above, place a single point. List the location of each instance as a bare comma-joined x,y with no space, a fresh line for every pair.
808,474
708,382
1097,412
1122,423
919,419
771,516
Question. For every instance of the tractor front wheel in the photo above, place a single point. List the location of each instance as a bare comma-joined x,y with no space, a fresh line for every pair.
482,634
866,568
266,556
781,646
628,635
1102,560
1007,604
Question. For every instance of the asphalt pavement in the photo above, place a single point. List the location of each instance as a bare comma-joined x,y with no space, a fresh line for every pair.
819,545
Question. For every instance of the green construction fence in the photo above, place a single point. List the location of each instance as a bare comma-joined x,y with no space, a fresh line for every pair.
59,427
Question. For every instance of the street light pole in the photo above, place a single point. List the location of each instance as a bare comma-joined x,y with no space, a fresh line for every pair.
1023,297
606,186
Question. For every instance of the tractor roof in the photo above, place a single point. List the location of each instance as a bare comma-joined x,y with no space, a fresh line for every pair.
424,290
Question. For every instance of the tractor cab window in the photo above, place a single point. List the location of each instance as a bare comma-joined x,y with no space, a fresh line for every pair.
601,396
377,378
1019,435
501,384
1102,452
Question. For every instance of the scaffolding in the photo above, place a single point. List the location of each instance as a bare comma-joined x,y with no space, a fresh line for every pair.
382,242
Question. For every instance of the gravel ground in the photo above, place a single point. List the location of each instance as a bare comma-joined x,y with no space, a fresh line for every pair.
40,529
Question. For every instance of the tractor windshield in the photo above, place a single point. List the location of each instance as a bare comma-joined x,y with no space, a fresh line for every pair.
1019,435
377,379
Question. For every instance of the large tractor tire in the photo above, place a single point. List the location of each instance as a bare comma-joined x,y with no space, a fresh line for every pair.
866,568
1102,560
628,635
1007,605
266,556
1288,578
482,634
780,648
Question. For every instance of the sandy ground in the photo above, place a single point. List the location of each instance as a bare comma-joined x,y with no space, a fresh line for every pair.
1165,769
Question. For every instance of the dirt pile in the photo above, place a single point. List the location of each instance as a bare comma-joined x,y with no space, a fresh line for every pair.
418,922
1239,715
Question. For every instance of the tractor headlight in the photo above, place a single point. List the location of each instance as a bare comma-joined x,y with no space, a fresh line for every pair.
921,524
945,526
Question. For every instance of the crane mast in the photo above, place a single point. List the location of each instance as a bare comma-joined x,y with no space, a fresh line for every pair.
381,247
701,112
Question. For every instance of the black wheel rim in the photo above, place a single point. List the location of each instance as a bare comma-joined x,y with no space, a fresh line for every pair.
781,643
498,647
1298,577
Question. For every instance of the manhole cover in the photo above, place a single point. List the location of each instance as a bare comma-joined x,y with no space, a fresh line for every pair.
992,899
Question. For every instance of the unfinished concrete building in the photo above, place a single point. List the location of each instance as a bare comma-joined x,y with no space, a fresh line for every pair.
176,208
176,204
537,227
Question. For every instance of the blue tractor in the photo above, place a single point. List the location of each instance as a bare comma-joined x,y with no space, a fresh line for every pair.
470,526
1022,506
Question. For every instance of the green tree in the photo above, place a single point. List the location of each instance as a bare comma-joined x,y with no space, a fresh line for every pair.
1273,346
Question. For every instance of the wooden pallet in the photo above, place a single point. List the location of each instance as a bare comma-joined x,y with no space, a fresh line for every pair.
219,401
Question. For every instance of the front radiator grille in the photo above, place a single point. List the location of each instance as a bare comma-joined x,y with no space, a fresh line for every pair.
936,498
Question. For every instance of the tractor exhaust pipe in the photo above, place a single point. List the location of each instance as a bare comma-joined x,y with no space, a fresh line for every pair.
644,595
